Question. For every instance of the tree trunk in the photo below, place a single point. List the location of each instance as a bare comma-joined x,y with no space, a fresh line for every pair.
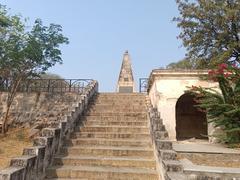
10,99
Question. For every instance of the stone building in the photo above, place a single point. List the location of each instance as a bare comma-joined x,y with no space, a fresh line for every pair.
126,81
167,91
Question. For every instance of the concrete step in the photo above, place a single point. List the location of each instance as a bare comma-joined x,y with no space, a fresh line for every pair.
132,114
109,142
118,101
92,172
111,129
176,176
115,111
136,136
68,179
110,106
116,118
123,151
123,103
138,162
116,123
172,166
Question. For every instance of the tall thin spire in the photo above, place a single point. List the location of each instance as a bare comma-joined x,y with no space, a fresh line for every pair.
126,80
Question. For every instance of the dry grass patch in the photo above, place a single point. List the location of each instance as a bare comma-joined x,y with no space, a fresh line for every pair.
12,145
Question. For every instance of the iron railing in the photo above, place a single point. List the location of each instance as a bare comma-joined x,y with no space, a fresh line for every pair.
49,85
143,85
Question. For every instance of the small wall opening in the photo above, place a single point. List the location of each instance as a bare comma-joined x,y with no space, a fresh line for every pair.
190,121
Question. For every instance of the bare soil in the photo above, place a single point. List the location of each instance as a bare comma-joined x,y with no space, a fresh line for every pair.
12,145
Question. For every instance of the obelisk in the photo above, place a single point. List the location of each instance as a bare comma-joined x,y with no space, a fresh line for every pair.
126,80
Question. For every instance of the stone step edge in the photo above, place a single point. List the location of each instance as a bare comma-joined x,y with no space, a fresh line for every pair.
109,140
128,148
117,133
105,169
114,158
111,126
120,123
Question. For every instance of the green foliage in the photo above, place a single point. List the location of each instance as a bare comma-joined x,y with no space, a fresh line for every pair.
50,76
26,53
182,64
210,30
223,108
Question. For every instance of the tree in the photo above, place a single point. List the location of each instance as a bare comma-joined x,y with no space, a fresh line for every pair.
210,30
25,54
182,64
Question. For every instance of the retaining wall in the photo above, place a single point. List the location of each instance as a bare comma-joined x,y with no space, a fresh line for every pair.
34,161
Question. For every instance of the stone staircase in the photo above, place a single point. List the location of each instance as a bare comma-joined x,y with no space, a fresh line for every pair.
111,142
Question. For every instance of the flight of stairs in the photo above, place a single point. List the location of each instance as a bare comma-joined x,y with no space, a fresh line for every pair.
113,142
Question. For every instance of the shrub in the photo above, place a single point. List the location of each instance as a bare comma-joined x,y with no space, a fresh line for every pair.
222,107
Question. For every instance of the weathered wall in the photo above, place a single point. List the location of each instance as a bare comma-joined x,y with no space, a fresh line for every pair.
167,87
29,109
35,159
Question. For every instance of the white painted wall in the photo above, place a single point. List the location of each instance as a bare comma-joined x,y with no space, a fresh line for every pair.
165,91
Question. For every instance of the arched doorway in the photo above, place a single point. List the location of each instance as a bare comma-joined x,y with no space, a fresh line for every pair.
190,122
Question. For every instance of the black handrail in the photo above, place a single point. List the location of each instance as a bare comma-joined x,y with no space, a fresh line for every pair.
49,85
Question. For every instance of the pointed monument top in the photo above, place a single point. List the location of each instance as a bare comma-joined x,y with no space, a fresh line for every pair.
126,81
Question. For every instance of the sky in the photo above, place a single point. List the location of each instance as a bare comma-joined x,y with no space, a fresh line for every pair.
100,31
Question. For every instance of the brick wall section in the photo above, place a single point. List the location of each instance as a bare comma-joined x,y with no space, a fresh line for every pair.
32,164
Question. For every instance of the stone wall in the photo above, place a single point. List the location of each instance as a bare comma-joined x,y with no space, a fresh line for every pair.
166,157
34,161
31,109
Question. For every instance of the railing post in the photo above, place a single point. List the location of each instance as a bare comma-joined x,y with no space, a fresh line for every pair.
143,85
70,85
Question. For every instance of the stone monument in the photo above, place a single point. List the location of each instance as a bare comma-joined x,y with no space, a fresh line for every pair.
126,80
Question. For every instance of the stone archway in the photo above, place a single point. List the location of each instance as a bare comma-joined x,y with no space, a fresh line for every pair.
190,122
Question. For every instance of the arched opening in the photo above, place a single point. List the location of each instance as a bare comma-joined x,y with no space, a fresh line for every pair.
190,121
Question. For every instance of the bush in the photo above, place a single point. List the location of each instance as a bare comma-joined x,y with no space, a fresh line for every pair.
222,107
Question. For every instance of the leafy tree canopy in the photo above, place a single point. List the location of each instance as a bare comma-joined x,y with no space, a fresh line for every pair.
182,64
210,30
28,52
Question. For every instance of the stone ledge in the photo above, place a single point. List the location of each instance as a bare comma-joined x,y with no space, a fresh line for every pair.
198,171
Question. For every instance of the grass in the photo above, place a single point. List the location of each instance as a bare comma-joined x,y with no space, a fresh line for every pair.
12,145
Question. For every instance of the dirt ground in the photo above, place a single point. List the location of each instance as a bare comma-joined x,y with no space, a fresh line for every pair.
12,145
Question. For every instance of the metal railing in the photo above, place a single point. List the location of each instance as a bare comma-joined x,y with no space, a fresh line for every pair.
143,85
49,85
